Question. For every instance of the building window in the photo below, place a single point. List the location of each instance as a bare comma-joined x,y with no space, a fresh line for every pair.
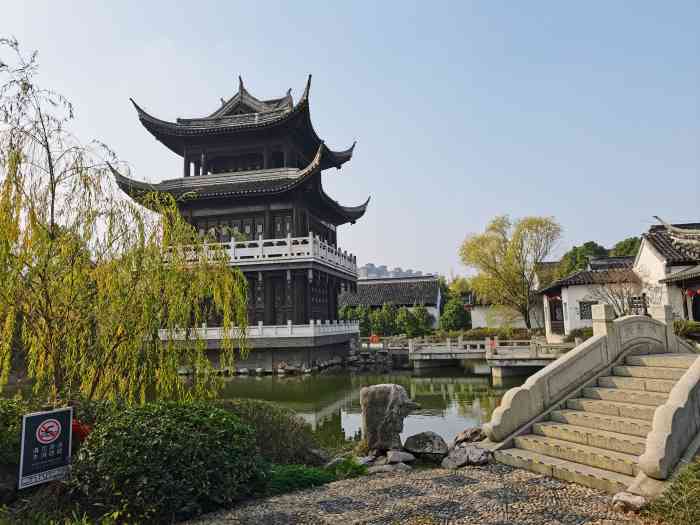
566,312
585,309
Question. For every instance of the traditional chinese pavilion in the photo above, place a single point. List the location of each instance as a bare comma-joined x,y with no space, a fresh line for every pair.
252,180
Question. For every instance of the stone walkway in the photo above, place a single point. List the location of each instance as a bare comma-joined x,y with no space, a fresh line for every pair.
491,495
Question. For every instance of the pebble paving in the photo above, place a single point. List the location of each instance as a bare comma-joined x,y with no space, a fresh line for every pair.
490,495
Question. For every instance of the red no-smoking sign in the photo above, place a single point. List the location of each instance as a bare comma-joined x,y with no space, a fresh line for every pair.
48,431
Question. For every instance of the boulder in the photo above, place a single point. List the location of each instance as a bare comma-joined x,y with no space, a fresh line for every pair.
399,456
318,456
469,435
466,455
428,445
625,502
365,460
384,408
457,457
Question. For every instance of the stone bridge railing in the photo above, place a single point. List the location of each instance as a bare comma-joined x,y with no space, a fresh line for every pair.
611,341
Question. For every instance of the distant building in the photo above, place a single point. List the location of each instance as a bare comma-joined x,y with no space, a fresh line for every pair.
403,291
370,271
568,302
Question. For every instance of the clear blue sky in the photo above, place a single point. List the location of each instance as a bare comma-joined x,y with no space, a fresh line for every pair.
585,111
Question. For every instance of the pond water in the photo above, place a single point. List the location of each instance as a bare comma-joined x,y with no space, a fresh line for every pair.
450,399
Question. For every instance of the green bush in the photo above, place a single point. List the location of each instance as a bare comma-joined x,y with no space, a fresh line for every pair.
680,503
684,328
11,412
281,435
166,461
583,333
348,468
454,316
290,478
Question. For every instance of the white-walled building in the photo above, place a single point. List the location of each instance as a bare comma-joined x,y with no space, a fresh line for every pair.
668,264
665,271
567,302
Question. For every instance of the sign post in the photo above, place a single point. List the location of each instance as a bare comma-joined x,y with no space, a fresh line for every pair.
46,446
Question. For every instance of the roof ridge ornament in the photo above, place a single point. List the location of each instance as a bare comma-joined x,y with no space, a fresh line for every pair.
307,89
681,235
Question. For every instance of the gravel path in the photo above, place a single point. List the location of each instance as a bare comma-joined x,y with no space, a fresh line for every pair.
491,495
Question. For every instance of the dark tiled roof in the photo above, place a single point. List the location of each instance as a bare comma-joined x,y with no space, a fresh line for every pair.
684,275
672,249
584,277
606,263
410,291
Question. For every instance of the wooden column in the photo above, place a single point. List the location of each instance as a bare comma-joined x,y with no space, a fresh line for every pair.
266,157
203,160
309,305
269,234
289,297
185,166
269,308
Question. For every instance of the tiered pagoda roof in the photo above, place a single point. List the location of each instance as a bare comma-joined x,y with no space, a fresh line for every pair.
249,184
244,113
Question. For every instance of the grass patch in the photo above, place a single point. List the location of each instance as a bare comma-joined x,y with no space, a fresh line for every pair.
680,504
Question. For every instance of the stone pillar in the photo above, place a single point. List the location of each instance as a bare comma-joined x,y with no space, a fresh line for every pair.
603,324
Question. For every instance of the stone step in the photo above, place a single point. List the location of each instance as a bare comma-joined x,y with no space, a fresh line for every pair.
626,396
637,383
650,372
621,425
583,454
611,408
605,480
662,360
591,436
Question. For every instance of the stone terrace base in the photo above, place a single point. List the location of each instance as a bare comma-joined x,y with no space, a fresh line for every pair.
298,352
491,495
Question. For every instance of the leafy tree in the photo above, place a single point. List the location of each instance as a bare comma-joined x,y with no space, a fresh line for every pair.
362,314
454,317
506,256
406,322
626,247
346,313
459,287
383,320
577,257
95,278
424,321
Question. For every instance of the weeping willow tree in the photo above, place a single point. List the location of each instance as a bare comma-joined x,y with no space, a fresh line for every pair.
98,295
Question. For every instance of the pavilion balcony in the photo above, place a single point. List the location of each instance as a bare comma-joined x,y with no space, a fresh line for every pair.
285,250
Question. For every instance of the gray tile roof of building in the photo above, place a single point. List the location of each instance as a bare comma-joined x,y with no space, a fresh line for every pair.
405,291
588,277
674,250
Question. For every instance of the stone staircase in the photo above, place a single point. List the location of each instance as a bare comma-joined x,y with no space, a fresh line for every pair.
596,439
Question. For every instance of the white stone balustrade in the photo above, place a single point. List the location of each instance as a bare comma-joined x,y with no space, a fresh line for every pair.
286,249
313,329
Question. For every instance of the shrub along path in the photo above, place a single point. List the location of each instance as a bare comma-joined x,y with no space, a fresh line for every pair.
490,495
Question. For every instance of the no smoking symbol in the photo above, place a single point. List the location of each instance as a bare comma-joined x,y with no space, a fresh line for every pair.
48,431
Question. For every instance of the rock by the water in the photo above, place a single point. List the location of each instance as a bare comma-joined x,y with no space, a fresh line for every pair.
624,502
399,456
427,444
384,408
477,456
469,435
466,455
457,457
365,460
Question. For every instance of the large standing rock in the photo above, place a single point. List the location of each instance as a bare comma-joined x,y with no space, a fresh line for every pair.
428,445
399,456
384,408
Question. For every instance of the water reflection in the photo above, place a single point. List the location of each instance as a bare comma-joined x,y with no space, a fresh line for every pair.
450,399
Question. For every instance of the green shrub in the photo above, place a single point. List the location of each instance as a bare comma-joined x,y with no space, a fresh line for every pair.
583,333
281,435
166,461
680,503
11,412
348,468
290,478
684,328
